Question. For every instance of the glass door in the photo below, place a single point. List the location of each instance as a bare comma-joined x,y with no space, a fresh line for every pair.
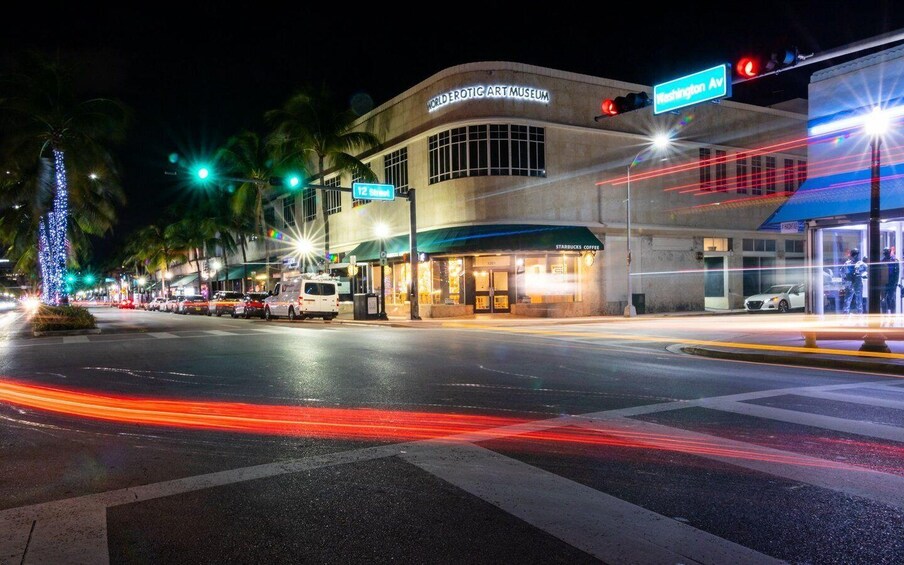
491,291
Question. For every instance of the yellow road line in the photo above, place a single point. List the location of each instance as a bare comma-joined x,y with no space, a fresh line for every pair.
734,344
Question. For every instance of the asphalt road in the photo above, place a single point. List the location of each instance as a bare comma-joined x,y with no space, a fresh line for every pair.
188,439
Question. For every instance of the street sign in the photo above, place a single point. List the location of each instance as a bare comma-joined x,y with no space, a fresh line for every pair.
372,191
384,261
692,89
792,227
382,255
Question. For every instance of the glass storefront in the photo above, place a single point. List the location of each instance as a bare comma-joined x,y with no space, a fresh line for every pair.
492,283
832,248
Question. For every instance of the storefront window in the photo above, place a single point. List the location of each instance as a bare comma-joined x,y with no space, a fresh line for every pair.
547,278
447,281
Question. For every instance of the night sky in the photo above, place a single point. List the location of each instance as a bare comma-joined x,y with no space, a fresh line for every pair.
194,76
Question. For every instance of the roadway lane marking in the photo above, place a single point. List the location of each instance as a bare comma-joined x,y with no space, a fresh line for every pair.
855,398
602,525
268,330
220,332
868,429
162,335
854,480
75,339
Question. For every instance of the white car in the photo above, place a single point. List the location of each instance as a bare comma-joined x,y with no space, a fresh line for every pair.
778,298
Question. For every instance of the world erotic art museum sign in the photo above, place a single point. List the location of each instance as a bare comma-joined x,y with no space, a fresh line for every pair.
511,92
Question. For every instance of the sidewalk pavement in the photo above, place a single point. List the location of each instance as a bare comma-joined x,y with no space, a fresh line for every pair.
832,345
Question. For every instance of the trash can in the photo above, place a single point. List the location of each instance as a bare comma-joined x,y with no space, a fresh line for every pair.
366,306
639,302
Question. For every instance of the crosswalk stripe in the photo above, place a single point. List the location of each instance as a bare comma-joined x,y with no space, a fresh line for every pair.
75,339
220,332
834,475
602,525
869,429
853,398
162,335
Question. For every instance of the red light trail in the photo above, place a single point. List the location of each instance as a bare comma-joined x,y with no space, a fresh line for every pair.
360,423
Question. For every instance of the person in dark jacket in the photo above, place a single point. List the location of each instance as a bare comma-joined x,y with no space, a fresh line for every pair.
889,282
852,279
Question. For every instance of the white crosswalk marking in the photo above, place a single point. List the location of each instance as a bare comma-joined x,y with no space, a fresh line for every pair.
606,527
219,332
75,339
162,335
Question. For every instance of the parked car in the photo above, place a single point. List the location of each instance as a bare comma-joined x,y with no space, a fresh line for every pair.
156,304
193,304
778,298
251,305
224,302
127,304
305,297
170,304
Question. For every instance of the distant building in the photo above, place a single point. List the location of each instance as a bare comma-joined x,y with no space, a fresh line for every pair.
521,198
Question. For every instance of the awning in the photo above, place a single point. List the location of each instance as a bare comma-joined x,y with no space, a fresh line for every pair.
236,271
844,195
485,238
186,280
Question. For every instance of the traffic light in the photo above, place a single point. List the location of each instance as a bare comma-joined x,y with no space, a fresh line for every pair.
290,181
626,103
201,172
753,66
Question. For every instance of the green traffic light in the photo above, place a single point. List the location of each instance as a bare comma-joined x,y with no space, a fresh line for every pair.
89,279
294,181
203,173
70,278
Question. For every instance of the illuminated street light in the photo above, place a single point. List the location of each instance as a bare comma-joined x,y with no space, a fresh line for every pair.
875,124
304,246
142,281
659,142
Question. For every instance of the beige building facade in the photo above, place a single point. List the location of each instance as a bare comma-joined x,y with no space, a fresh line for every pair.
521,199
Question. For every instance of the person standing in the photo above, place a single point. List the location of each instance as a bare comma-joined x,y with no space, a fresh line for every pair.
889,281
854,268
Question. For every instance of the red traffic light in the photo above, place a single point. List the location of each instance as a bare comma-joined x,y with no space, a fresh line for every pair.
609,107
748,67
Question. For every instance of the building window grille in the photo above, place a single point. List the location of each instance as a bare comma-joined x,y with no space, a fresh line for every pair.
721,169
770,175
705,172
395,170
741,173
289,211
493,149
756,175
309,204
333,198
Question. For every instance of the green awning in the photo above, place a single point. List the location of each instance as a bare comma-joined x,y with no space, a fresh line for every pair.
187,279
236,271
485,238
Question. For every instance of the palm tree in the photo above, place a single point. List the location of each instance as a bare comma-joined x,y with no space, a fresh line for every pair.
154,246
54,140
245,156
311,124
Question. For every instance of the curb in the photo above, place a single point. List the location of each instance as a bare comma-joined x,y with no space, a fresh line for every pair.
66,332
802,361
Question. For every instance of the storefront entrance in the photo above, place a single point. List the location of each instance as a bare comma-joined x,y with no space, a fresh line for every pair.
491,291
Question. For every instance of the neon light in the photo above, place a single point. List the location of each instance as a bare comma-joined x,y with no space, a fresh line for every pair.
860,120
524,93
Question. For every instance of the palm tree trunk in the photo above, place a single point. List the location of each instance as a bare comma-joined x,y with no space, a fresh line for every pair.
198,265
225,270
326,216
244,262
264,231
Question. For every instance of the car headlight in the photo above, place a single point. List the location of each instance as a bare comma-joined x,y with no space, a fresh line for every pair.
773,299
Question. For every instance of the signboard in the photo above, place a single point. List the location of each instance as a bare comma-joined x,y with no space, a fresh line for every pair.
792,227
373,191
692,89
482,91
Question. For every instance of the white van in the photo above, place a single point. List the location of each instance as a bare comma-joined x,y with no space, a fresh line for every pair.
304,297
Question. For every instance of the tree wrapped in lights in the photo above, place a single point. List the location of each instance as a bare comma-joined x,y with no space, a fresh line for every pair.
43,117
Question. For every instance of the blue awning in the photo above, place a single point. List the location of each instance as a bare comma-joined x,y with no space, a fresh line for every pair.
841,196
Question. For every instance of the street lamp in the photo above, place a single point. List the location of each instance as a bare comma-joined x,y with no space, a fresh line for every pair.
875,125
659,142
382,231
